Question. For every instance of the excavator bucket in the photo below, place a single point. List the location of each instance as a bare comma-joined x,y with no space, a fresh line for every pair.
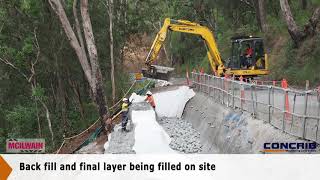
158,72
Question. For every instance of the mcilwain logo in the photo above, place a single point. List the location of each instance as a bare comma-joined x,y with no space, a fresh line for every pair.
25,145
287,147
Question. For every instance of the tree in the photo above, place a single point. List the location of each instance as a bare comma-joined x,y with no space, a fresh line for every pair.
89,64
295,32
261,13
304,4
110,12
31,47
298,35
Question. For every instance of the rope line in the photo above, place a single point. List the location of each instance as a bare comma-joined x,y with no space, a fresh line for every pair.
68,138
60,147
123,95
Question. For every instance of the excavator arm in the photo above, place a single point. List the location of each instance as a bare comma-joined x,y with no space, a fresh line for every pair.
191,28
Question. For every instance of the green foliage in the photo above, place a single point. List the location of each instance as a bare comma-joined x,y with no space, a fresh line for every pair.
2,139
304,63
300,16
141,16
276,25
31,7
60,81
22,120
69,4
298,65
90,112
27,48
2,14
7,52
19,56
316,2
232,18
38,93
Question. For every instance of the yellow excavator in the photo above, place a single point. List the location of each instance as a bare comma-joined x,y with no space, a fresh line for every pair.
248,58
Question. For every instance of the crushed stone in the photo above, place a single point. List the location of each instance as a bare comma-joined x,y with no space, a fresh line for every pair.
184,138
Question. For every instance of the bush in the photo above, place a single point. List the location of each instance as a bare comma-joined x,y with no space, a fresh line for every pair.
22,120
298,64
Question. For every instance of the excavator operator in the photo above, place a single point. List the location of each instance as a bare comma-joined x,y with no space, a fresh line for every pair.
246,57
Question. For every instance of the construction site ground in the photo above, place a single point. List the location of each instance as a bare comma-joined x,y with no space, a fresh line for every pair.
202,126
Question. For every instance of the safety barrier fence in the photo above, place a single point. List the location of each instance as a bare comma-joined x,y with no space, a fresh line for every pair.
293,111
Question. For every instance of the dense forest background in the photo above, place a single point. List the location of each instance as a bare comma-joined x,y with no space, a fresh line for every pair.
46,90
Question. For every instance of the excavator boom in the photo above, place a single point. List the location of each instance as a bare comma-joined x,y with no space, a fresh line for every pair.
184,27
205,33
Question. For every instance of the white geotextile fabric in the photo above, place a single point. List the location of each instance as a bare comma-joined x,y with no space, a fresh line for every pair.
169,103
172,103
150,137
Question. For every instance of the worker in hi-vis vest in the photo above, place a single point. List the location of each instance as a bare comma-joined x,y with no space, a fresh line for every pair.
124,112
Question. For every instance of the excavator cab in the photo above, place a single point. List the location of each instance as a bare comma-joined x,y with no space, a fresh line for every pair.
247,54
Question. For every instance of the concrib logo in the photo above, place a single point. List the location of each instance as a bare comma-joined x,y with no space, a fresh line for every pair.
25,145
278,147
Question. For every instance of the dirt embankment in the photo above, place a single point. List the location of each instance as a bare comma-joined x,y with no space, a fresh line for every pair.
136,50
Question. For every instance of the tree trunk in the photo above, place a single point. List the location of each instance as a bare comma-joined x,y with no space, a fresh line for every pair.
125,13
118,11
61,98
38,120
259,6
77,24
110,11
76,91
33,87
58,8
96,86
311,27
296,34
90,65
100,100
262,14
304,4
48,119
81,109
91,46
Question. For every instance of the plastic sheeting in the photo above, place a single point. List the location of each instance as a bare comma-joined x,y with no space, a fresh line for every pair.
150,137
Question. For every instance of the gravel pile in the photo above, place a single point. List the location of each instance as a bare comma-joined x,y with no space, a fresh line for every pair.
120,142
184,137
